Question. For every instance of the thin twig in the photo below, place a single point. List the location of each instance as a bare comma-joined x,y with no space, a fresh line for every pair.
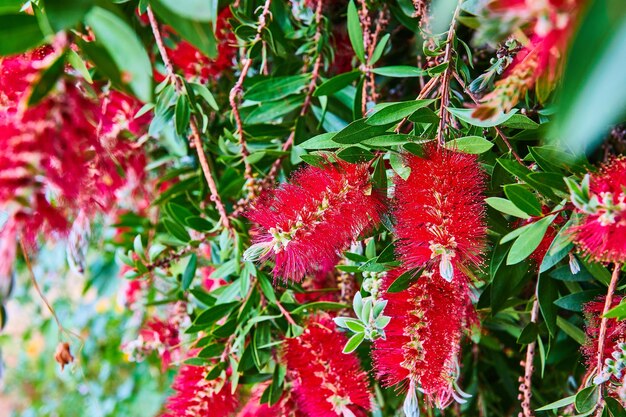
607,306
237,90
195,131
288,317
445,79
526,381
498,130
33,279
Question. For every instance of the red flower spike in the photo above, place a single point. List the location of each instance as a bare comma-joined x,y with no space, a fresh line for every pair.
440,211
615,331
602,233
423,337
327,383
285,407
198,397
305,224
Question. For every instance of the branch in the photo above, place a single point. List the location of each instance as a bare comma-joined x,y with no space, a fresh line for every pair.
237,90
195,132
498,130
526,381
607,306
445,79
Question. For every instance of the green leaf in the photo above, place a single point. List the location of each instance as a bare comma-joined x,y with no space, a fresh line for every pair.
355,32
63,14
200,10
529,334
189,272
79,65
323,141
571,330
593,95
19,33
466,116
336,83
586,399
405,280
277,87
319,305
211,315
470,144
354,342
125,49
529,240
547,292
614,407
358,131
380,48
354,154
576,301
176,230
617,312
519,121
155,250
198,223
399,71
138,246
394,112
558,404
182,115
46,81
267,289
202,91
506,206
523,199
391,140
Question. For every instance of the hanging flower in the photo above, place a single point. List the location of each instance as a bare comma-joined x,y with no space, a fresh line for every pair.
440,211
197,396
614,348
601,233
423,338
326,383
305,224
548,25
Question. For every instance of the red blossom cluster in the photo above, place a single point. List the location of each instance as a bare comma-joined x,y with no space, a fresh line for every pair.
441,229
306,223
601,233
548,25
423,338
440,211
284,407
197,66
198,396
61,156
326,384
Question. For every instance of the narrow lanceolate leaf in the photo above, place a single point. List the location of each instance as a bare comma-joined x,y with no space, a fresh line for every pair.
523,199
506,206
396,111
528,241
470,144
354,343
355,32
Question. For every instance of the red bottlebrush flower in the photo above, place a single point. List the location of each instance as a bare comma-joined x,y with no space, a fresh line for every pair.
117,116
423,338
615,334
132,289
8,246
326,382
195,65
54,164
158,336
440,211
305,224
197,396
319,287
601,235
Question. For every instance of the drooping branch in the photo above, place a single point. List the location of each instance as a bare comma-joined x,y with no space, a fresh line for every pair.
446,77
195,131
236,92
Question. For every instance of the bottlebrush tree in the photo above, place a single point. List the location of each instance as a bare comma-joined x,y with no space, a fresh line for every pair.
313,208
